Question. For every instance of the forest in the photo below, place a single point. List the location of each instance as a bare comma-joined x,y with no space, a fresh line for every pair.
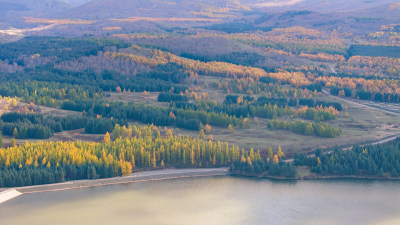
317,129
36,126
271,165
382,160
59,47
135,148
200,112
132,148
223,90
375,50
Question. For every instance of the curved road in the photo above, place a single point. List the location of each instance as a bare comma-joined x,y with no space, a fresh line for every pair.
357,103
381,141
133,178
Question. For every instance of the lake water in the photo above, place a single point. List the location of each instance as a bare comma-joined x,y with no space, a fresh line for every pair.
214,201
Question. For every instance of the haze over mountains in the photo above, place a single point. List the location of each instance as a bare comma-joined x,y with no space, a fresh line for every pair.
261,14
123,8
155,8
13,11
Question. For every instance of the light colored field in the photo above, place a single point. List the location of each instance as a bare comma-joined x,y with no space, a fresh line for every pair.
58,112
362,125
75,135
138,98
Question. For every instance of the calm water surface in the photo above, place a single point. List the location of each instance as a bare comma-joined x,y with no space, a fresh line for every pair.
218,200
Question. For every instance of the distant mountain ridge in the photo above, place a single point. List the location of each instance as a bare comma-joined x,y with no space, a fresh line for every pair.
76,3
102,9
12,12
11,6
37,6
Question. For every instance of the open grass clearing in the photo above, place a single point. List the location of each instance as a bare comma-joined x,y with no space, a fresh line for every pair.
137,97
361,126
70,135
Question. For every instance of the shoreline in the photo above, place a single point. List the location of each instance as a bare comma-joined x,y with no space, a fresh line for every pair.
133,178
317,177
158,175
146,176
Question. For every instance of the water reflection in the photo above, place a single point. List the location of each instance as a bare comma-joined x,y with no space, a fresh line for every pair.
224,200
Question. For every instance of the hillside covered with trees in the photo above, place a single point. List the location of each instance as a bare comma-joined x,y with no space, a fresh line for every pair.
222,78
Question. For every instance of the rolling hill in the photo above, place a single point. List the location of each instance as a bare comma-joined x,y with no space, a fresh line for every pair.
12,12
104,9
45,7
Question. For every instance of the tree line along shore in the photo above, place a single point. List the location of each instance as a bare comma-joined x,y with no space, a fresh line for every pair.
144,148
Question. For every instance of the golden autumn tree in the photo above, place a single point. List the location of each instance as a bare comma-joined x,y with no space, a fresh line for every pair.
44,161
246,123
280,153
202,135
207,129
154,160
270,153
243,159
107,138
210,137
231,129
192,157
162,163
249,161
275,159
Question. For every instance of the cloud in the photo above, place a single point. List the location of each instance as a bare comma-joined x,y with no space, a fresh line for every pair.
278,3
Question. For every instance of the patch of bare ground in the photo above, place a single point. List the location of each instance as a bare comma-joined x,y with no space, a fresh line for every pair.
57,112
359,127
149,98
76,135
8,105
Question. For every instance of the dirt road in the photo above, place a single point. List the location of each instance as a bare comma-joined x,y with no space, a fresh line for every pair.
359,104
135,177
